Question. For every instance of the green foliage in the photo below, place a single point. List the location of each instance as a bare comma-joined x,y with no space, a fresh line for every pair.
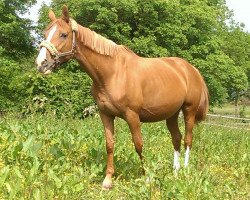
8,69
15,40
15,48
222,76
194,30
43,158
65,93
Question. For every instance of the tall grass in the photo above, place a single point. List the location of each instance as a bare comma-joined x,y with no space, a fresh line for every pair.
45,158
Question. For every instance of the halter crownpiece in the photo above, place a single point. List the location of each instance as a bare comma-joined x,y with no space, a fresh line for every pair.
52,49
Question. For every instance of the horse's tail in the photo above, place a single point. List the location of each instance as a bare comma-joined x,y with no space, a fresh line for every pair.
203,105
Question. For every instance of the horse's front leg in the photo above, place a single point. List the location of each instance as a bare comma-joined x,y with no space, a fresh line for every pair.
133,121
108,123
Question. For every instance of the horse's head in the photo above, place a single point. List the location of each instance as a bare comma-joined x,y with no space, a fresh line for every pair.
59,44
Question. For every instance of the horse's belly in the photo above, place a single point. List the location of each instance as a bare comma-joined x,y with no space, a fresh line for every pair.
158,113
161,104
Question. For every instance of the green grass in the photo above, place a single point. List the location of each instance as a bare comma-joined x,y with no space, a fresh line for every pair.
46,158
229,109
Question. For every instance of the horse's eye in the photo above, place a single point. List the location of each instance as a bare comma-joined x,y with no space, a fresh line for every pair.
63,35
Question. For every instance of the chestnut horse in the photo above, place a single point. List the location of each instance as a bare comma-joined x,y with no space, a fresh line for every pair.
128,86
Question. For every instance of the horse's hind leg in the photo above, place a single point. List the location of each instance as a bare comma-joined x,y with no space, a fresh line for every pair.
172,124
189,118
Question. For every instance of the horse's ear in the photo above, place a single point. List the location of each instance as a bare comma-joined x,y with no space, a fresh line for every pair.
52,15
65,13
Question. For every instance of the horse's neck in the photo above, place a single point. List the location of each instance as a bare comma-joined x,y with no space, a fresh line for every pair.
99,67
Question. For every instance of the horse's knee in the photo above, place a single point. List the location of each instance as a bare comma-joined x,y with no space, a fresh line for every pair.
110,147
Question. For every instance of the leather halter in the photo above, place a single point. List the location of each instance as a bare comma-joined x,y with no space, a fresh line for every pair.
52,49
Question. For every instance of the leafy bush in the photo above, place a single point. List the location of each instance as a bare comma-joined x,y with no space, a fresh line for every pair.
195,30
65,93
9,69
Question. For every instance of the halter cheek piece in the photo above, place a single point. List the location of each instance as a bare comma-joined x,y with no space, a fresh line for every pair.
52,49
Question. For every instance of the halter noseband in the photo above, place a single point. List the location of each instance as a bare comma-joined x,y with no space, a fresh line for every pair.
52,49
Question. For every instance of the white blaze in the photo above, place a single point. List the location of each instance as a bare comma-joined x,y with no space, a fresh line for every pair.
42,54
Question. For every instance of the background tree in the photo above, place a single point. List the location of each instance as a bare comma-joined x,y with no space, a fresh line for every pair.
15,47
197,31
194,30
16,40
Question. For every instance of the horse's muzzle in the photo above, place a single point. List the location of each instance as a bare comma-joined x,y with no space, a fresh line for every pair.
47,67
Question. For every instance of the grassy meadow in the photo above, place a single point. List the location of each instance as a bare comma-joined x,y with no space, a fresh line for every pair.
46,158
229,109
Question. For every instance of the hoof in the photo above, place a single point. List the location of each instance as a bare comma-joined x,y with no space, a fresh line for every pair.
107,184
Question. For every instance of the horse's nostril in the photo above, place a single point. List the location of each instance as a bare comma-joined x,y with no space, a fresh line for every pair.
44,62
40,69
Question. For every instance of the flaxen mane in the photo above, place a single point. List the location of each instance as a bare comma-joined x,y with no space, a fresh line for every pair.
97,42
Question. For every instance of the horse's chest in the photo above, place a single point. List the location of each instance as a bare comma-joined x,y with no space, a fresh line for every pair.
105,104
